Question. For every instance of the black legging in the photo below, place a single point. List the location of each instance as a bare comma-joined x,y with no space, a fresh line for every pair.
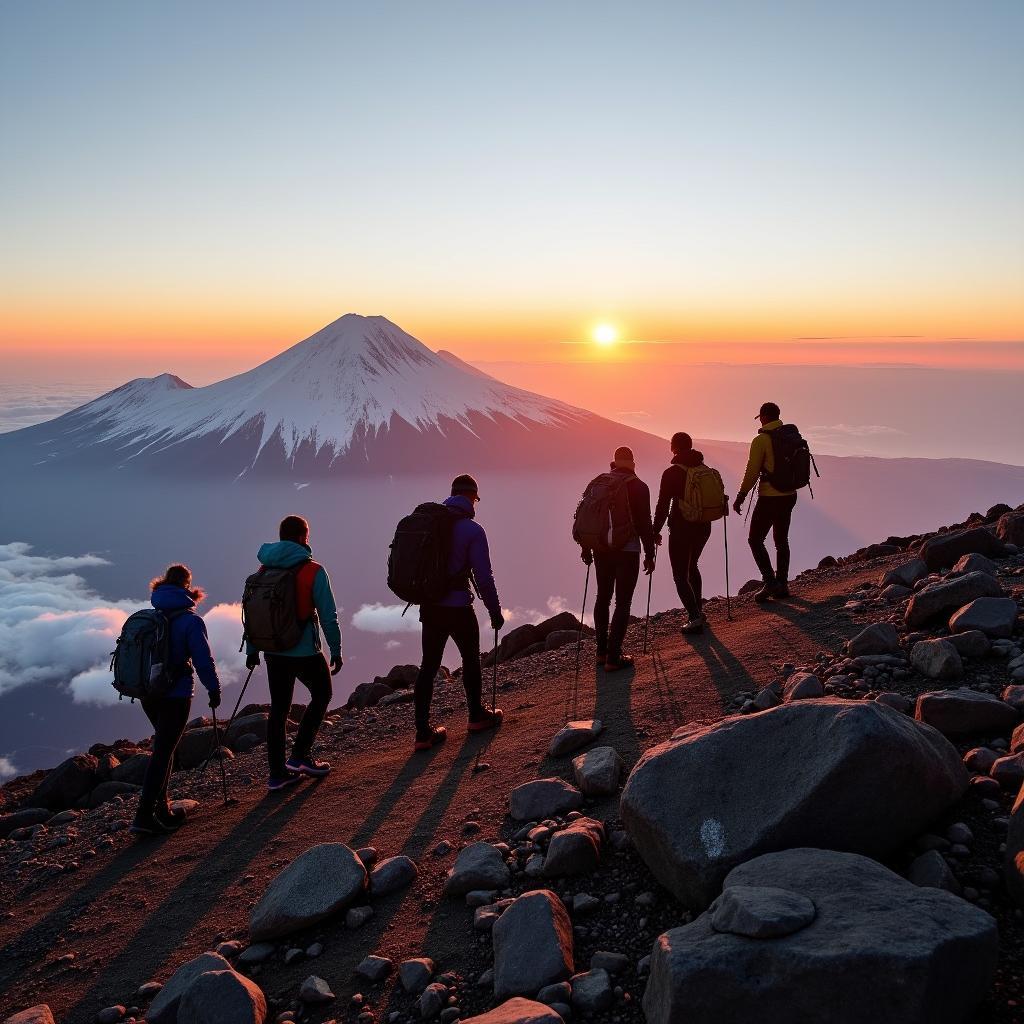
685,544
617,573
312,671
168,716
772,513
440,623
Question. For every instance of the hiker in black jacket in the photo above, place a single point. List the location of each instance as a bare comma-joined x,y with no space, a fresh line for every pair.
618,569
686,540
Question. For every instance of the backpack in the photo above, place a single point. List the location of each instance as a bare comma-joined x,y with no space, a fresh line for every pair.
603,521
141,661
418,557
273,618
704,499
792,459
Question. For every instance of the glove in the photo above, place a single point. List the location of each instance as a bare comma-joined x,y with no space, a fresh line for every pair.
336,664
648,566
497,621
588,556
214,700
252,661
737,505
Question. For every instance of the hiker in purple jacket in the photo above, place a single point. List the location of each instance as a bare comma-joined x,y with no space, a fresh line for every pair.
469,563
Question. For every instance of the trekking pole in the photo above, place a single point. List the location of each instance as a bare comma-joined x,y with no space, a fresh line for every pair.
227,728
725,528
650,584
494,677
216,749
579,645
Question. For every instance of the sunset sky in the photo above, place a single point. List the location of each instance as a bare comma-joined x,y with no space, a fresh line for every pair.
195,182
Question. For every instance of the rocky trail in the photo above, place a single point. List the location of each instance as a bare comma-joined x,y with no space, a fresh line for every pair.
92,921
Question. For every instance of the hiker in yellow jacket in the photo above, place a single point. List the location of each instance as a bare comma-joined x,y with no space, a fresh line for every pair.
773,511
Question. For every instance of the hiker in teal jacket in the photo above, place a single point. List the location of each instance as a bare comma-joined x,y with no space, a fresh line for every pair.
316,606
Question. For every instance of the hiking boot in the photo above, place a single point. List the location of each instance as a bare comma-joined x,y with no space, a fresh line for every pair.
488,720
428,740
766,593
146,823
695,624
623,661
169,818
781,589
276,782
307,766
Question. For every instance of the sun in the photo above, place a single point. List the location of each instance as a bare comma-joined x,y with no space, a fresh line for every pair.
605,334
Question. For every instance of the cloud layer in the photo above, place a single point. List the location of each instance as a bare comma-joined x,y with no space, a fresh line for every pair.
56,630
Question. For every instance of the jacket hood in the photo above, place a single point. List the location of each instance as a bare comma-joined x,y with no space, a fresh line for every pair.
462,504
283,554
690,458
169,597
774,425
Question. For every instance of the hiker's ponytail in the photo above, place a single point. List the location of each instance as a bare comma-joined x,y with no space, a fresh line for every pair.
178,576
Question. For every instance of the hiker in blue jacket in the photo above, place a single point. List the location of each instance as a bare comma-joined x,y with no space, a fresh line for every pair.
454,616
174,595
317,608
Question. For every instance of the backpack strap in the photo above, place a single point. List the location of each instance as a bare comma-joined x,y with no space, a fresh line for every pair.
305,577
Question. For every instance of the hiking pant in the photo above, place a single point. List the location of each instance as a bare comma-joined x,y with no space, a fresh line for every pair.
440,623
772,513
312,671
685,544
168,716
617,573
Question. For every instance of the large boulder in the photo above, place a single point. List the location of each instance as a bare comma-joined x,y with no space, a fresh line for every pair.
804,773
964,711
878,949
560,623
515,642
878,638
318,883
939,600
993,616
1010,528
1014,866
132,769
532,945
936,659
255,724
945,549
223,997
517,1011
544,798
164,1008
478,866
108,790
597,772
976,563
906,575
194,747
66,784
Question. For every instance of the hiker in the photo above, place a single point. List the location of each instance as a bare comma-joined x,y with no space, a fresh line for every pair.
189,653
619,498
452,614
773,467
690,498
292,648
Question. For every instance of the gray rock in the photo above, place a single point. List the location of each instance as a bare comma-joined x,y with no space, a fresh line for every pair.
993,616
755,783
975,563
1009,771
980,759
931,871
560,992
315,991
878,638
592,992
965,711
478,866
767,698
971,644
939,600
414,975
66,784
543,798
518,1011
222,997
936,659
867,917
574,735
560,638
1013,865
802,686
257,953
164,1008
26,818
613,963
246,742
392,874
38,1014
356,917
575,850
108,790
597,772
132,769
760,912
375,969
1014,696
894,592
111,1014
254,724
194,747
1010,528
318,883
906,575
432,1000
533,945
946,549
896,701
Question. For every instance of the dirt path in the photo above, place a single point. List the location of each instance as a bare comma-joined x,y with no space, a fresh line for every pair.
133,914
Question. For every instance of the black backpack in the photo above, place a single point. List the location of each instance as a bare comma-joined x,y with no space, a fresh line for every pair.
270,614
141,661
418,558
792,457
603,521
